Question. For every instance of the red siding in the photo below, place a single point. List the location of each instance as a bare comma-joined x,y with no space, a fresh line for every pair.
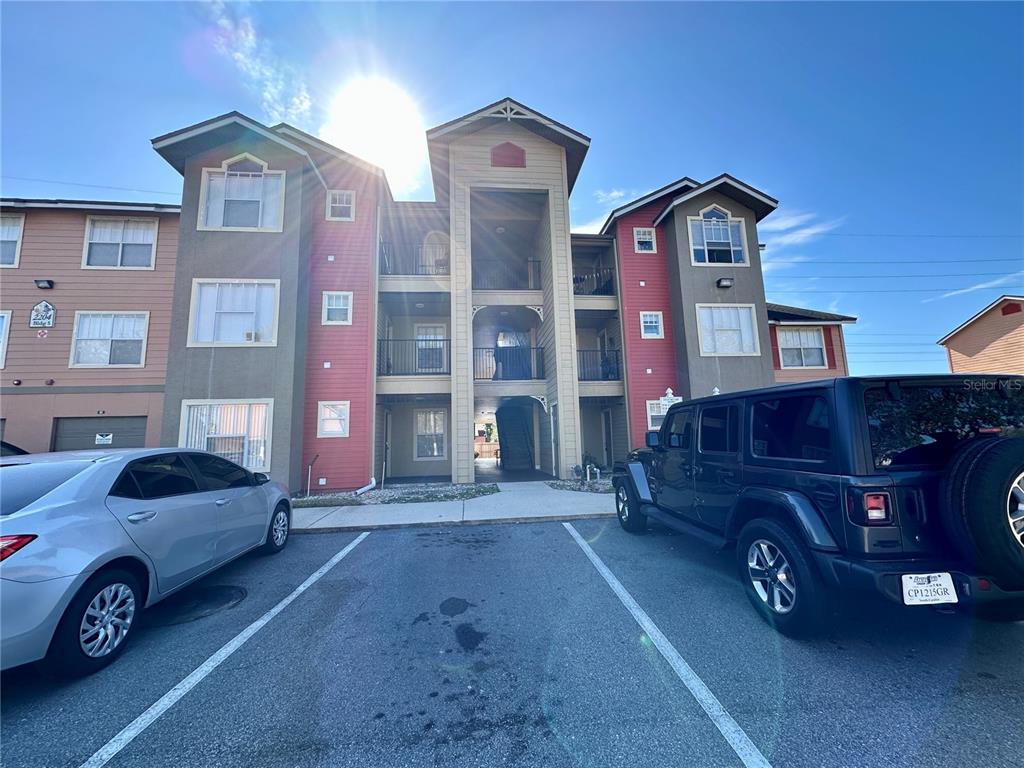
345,462
830,351
641,354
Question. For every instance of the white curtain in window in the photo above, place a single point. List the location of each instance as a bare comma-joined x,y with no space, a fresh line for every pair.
139,232
273,188
244,186
236,431
214,214
106,230
233,312
10,227
727,330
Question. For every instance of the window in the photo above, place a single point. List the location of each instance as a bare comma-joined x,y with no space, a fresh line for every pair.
680,430
644,240
243,195
727,330
119,243
431,348
430,435
655,414
219,474
11,228
651,325
5,332
237,430
156,477
341,205
109,340
337,308
791,428
716,238
719,428
332,419
237,313
801,347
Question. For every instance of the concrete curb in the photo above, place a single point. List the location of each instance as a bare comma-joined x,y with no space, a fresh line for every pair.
441,523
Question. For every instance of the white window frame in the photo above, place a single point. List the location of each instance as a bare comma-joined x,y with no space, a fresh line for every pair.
636,239
415,434
155,221
730,219
753,317
660,412
821,335
661,324
194,307
352,204
345,404
74,338
201,225
5,336
21,238
323,307
268,401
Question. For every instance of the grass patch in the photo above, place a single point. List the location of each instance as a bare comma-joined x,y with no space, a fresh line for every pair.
399,494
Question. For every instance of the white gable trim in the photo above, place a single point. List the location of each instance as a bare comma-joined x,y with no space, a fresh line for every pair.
509,110
708,187
641,202
987,309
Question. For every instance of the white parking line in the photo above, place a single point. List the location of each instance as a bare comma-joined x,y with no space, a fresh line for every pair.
730,729
169,699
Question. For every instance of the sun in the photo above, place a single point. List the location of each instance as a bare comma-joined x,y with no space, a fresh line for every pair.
376,120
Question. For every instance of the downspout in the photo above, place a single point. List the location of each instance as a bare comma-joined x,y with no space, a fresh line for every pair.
368,487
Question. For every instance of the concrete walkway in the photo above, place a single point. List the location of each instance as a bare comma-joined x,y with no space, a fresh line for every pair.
515,502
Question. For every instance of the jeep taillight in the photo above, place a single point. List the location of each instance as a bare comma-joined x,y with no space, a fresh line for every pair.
869,507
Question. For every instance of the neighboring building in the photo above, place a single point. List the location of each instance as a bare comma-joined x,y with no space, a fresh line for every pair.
85,304
990,342
313,327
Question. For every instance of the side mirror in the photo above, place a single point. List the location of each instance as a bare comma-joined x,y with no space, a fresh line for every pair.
653,439
260,478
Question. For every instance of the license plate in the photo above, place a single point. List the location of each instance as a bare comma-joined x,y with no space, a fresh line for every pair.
928,589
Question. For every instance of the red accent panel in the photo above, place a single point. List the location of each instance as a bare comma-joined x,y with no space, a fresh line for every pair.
776,359
508,155
830,352
1011,309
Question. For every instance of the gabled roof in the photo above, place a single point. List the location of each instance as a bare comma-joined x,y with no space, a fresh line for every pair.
781,313
757,201
298,135
684,183
88,205
504,110
987,309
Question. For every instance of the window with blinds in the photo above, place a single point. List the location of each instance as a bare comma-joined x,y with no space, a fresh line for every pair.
119,243
716,238
238,431
109,340
11,227
234,313
431,442
801,347
243,195
727,330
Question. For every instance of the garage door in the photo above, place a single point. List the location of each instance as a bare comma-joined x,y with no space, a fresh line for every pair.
76,434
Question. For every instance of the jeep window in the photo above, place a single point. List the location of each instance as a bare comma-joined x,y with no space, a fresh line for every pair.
718,429
792,428
680,429
923,425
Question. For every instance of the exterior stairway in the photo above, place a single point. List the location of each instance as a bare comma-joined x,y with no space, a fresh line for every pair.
515,437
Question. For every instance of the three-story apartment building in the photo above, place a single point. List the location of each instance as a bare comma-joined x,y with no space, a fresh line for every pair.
317,329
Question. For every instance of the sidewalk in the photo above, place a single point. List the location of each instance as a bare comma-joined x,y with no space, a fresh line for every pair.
516,502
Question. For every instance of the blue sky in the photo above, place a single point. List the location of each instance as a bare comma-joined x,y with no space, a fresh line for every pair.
891,133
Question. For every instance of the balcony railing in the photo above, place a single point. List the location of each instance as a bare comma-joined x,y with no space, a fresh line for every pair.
594,282
496,275
508,363
414,260
413,357
598,365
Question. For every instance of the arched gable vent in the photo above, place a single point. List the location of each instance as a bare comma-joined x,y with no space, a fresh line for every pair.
508,155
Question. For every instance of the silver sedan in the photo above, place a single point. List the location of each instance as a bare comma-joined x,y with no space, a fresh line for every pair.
88,539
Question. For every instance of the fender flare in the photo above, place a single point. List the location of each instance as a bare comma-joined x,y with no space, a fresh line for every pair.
634,473
798,508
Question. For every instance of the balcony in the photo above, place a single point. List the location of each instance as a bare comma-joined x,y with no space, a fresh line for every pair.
598,281
413,357
422,260
508,363
599,365
496,275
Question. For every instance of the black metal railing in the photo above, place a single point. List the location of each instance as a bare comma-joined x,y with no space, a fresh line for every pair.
496,275
414,260
594,282
598,365
508,363
413,357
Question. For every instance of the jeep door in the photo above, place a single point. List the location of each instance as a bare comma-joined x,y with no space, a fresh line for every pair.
717,468
676,490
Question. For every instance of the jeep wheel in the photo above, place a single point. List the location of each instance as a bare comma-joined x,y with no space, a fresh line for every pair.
627,509
983,508
780,580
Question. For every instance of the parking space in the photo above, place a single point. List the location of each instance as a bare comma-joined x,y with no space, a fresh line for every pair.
503,645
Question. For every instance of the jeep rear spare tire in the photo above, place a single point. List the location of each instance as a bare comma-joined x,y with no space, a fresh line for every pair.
983,508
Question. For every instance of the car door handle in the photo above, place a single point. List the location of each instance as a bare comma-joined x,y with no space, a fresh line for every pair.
222,502
141,517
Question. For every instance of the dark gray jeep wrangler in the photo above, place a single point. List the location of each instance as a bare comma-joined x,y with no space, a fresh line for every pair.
911,488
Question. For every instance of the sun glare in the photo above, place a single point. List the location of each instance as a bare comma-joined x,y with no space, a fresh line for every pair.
374,119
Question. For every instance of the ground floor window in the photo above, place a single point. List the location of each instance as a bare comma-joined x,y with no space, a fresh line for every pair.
332,419
237,430
727,330
431,441
801,347
655,414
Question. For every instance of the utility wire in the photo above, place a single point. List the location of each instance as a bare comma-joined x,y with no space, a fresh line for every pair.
882,261
883,290
91,186
883,276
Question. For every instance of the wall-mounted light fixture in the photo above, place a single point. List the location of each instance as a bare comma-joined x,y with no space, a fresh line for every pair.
500,230
725,282
44,284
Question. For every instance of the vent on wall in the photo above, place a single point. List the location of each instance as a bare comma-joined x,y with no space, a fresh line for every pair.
508,155
1011,309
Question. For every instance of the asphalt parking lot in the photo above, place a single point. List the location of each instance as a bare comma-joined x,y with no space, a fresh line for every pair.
504,645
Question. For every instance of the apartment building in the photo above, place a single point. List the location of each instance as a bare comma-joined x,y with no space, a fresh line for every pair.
319,330
992,341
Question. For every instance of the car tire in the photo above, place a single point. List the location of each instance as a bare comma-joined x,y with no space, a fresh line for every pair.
97,625
627,508
983,508
791,597
277,536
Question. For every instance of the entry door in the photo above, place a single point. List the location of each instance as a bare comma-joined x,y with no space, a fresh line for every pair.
717,464
430,348
676,491
606,428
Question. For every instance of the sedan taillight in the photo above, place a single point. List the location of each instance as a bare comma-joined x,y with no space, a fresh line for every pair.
11,544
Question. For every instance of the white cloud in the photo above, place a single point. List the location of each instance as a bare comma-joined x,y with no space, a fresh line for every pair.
979,286
604,197
769,264
783,221
591,227
281,88
800,234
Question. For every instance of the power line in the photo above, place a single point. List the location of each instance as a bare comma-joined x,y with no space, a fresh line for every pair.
971,236
91,186
883,290
883,277
882,261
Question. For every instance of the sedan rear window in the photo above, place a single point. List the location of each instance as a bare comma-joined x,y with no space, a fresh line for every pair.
22,484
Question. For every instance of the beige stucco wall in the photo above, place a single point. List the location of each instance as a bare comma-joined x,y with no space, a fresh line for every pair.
994,343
